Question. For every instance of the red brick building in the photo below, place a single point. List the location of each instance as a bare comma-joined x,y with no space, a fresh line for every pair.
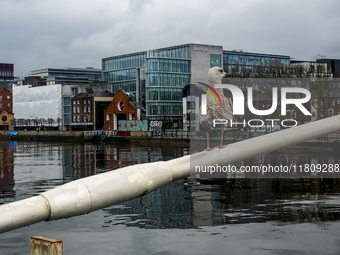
120,109
88,109
6,100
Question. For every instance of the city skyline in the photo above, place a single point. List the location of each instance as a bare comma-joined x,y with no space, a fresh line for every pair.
57,34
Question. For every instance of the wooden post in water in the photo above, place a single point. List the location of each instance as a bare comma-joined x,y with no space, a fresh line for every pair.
45,246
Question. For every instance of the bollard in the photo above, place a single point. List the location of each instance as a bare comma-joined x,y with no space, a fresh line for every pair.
45,246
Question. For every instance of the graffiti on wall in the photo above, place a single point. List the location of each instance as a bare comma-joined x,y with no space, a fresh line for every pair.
133,125
156,127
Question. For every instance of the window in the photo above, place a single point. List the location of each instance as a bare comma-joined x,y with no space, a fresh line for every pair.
74,91
8,97
85,108
74,109
74,102
89,109
78,118
67,100
67,109
107,117
215,60
78,110
74,118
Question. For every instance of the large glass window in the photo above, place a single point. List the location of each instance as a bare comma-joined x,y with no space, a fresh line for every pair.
67,119
247,63
124,62
215,60
128,86
74,91
165,108
168,65
166,80
164,94
67,109
67,101
120,75
179,53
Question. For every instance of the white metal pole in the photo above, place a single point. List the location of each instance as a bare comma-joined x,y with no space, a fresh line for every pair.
99,191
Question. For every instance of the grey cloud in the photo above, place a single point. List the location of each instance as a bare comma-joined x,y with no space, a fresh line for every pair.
40,33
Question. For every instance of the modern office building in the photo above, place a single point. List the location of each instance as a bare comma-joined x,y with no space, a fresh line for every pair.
238,63
154,79
52,76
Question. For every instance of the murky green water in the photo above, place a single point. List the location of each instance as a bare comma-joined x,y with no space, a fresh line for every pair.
235,216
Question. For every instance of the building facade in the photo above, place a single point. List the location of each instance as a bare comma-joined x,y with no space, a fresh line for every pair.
6,120
38,107
6,100
333,65
120,109
52,76
88,110
6,75
155,78
238,63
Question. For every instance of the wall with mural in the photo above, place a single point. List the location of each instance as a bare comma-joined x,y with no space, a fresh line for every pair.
156,127
133,125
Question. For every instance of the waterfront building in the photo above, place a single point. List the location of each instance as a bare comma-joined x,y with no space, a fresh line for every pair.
154,79
52,76
238,63
120,109
6,100
6,75
88,109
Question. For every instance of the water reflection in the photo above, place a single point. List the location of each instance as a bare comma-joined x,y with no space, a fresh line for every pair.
6,170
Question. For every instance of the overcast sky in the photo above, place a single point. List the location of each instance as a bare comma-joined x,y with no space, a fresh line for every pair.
37,34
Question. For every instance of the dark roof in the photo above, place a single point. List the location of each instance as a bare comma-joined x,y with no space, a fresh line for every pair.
96,94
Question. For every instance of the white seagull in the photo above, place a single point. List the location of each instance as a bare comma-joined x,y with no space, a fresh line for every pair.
219,111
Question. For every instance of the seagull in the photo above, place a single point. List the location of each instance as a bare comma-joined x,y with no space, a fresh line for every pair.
219,111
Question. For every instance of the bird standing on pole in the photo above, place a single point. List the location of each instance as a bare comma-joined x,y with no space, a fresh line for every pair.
215,111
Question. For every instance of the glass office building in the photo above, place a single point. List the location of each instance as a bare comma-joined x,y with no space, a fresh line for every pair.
155,78
52,76
246,64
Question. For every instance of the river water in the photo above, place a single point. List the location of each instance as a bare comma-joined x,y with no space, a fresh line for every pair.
234,216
